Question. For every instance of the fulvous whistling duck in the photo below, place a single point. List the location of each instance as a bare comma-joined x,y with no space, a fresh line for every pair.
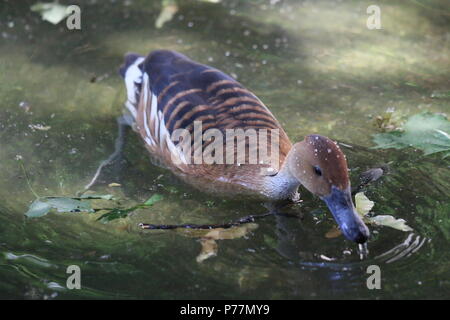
168,93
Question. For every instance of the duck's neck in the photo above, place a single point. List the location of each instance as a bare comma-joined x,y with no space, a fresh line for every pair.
284,184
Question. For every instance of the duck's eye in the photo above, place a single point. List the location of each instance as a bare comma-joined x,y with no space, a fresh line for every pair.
317,170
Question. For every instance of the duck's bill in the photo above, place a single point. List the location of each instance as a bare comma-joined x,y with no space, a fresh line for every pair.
341,206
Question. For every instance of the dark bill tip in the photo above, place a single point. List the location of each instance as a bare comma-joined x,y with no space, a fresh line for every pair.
341,206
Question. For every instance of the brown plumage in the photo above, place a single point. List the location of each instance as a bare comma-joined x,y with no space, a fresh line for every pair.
168,93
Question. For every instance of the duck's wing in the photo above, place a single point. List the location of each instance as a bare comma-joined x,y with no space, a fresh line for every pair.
176,92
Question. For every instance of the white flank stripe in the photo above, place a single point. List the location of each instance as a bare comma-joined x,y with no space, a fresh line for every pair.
131,108
154,108
147,129
176,152
162,128
148,141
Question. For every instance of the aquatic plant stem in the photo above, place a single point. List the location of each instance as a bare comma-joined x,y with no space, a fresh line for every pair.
118,149
27,179
244,220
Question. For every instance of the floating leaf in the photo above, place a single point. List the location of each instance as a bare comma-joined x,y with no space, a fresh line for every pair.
114,184
52,12
153,199
428,132
169,8
363,204
390,221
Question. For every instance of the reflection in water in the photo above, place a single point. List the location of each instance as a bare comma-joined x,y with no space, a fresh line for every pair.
410,246
345,275
297,244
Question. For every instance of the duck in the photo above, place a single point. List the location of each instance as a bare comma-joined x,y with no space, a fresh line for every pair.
182,108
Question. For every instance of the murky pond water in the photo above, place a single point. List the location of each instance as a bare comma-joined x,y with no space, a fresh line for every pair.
319,69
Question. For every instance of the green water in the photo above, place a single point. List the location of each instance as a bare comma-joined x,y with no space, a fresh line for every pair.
317,67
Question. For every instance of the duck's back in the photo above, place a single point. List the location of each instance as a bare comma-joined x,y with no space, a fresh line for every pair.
177,93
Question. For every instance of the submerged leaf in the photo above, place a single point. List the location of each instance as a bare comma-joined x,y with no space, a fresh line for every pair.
208,237
231,233
334,232
153,199
116,213
363,204
440,94
39,127
38,209
98,196
209,249
390,221
63,204
41,206
428,132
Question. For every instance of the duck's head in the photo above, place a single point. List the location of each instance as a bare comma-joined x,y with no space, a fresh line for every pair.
321,167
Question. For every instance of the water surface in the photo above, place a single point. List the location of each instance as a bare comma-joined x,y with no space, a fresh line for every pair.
317,67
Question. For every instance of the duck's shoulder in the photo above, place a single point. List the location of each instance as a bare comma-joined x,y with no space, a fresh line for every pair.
179,92
187,91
